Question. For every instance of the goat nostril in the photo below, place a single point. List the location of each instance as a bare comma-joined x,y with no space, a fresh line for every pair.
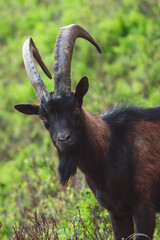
64,137
68,137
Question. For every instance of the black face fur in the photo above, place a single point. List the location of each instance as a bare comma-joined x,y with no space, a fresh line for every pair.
60,115
62,118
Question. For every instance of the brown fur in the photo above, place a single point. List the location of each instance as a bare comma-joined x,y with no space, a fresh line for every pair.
98,131
147,151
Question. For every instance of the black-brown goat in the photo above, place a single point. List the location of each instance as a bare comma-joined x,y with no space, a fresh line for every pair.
119,151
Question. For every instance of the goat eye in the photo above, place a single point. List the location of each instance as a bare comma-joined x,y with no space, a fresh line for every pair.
43,119
76,109
45,122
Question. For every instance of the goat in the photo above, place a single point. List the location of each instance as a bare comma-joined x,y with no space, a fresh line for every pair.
118,151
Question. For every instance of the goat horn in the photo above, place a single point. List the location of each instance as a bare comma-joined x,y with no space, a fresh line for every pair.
63,55
30,51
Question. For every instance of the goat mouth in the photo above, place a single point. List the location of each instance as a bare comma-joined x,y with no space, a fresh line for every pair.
65,147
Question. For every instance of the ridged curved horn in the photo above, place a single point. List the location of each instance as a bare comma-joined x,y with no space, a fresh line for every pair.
63,55
30,51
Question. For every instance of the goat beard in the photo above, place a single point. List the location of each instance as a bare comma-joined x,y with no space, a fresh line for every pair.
68,164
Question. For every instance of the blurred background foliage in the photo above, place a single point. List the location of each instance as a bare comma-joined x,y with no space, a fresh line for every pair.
128,31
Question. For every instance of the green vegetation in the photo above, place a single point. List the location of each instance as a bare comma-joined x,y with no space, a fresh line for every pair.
128,32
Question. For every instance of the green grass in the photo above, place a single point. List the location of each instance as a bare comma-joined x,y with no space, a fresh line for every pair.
128,69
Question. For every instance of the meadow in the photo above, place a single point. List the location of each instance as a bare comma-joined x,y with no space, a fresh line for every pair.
128,32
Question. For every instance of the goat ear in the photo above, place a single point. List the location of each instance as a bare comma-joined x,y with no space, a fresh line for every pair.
29,109
82,88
